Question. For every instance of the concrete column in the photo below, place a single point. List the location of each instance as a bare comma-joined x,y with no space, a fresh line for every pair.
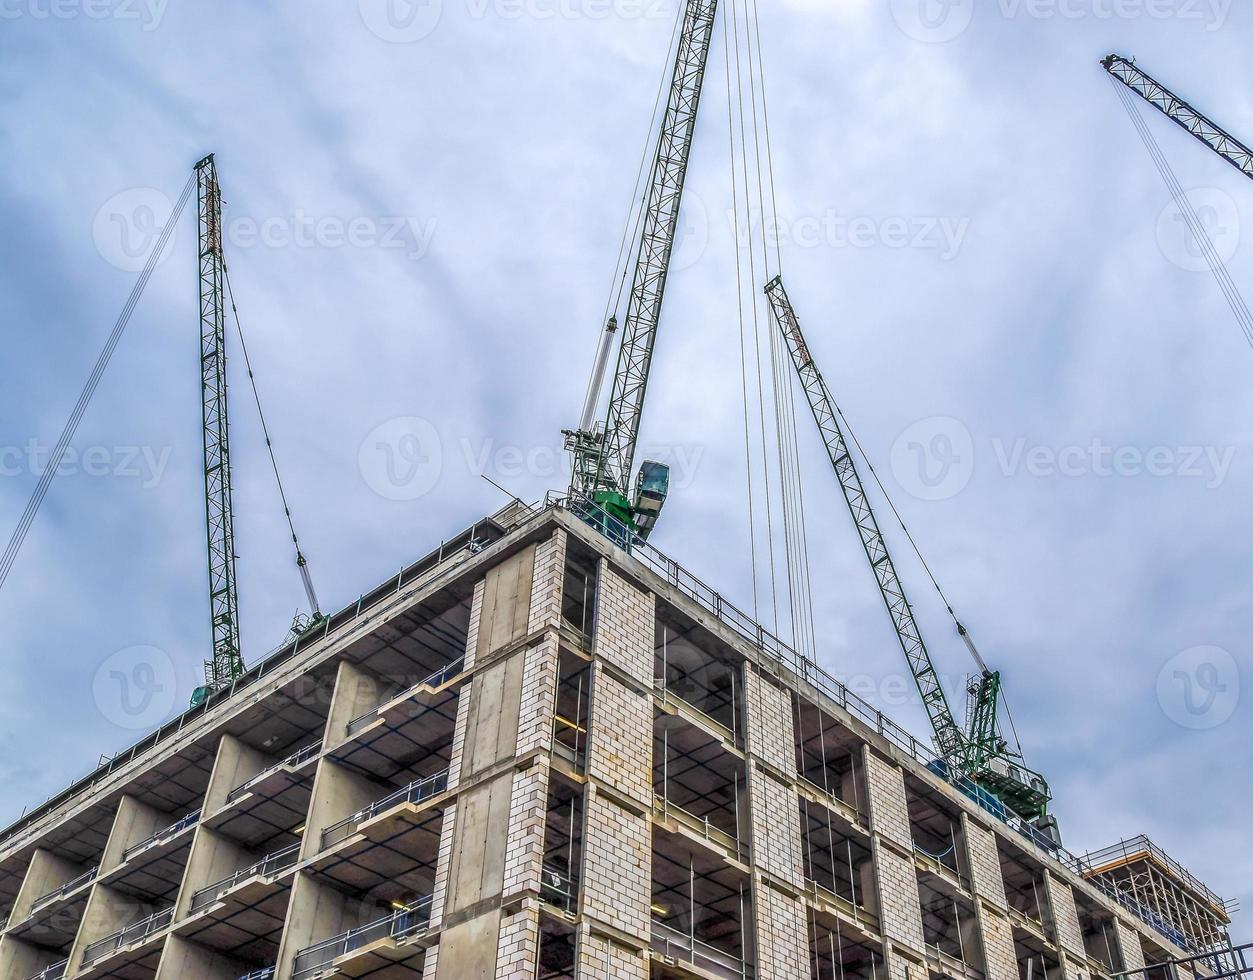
472,632
107,912
620,737
505,609
770,727
598,957
1068,934
901,967
547,582
776,837
18,959
617,867
212,857
782,929
45,873
134,822
900,908
356,692
538,698
518,947
997,936
182,958
236,763
315,912
528,817
338,792
896,878
626,624
889,810
1130,946
984,862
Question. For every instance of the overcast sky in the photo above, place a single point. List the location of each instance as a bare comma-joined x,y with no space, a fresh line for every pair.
423,208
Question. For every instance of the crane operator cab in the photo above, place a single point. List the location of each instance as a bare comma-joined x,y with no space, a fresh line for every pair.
652,486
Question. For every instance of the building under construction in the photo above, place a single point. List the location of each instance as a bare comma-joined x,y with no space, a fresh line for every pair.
535,754
546,751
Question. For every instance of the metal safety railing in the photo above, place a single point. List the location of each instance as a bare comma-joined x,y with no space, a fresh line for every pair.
681,947
161,836
558,887
1232,963
264,974
268,866
297,758
59,893
416,792
53,972
1142,846
129,936
402,923
436,680
808,672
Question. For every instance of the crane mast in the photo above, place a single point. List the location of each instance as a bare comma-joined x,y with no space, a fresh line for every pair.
978,752
604,457
227,662
1181,113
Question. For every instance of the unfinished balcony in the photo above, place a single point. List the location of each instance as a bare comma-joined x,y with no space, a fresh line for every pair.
557,950
698,785
1100,940
702,913
1025,890
570,719
829,762
838,952
697,679
131,951
1037,960
563,846
838,865
938,838
949,928
389,945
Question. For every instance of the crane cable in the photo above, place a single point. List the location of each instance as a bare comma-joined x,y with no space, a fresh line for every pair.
89,389
1231,292
301,563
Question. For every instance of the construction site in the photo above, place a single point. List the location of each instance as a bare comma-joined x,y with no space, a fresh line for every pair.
545,750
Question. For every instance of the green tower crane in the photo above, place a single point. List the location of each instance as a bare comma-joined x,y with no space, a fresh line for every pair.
978,751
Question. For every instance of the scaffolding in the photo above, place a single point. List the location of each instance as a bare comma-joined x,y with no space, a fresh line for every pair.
1182,902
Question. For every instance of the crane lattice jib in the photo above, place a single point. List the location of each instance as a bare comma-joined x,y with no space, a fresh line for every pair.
657,234
949,738
1176,109
227,662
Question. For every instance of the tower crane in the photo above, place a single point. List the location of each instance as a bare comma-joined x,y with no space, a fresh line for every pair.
979,751
1180,112
604,454
227,662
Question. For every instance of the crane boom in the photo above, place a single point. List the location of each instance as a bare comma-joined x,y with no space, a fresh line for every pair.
979,752
604,460
949,737
227,661
1181,113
